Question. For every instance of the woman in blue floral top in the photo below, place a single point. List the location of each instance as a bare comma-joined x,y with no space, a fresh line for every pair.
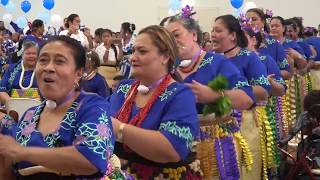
293,50
229,38
155,118
69,135
197,68
269,45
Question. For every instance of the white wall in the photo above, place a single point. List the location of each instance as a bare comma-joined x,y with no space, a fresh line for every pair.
110,13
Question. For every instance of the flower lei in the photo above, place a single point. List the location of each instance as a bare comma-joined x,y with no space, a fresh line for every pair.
273,119
289,115
125,111
308,82
226,155
223,105
280,117
266,141
247,154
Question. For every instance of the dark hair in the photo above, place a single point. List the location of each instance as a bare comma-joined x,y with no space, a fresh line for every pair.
308,32
188,23
70,18
112,45
93,58
106,31
262,16
204,33
282,22
36,24
258,37
164,20
311,103
118,78
233,25
98,32
299,24
78,52
128,27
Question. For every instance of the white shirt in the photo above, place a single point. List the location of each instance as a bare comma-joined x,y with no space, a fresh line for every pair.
79,37
101,50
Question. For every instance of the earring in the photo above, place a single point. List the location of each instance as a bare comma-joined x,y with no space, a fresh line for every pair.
76,85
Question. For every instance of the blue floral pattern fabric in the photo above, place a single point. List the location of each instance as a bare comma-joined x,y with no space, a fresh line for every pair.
306,48
213,65
86,125
315,42
288,43
274,49
272,68
252,68
173,114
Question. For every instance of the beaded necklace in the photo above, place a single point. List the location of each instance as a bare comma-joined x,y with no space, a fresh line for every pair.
189,68
125,111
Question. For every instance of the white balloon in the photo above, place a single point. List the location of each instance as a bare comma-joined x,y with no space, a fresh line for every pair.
56,21
247,6
7,18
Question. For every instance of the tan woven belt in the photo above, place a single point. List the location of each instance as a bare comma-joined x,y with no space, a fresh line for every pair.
39,169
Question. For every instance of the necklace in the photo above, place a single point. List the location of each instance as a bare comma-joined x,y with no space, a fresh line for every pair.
185,64
88,76
125,111
21,78
51,104
230,49
145,89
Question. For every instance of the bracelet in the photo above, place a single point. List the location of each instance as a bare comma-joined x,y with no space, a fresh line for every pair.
120,133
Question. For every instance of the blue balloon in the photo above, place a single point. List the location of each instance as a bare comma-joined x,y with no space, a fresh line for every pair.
44,16
4,2
237,13
236,3
11,7
25,6
175,5
22,22
48,4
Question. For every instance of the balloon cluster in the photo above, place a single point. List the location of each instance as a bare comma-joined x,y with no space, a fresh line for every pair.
22,22
174,6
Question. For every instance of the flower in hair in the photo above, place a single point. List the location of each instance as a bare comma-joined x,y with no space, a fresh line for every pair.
308,29
300,18
246,24
269,13
187,12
